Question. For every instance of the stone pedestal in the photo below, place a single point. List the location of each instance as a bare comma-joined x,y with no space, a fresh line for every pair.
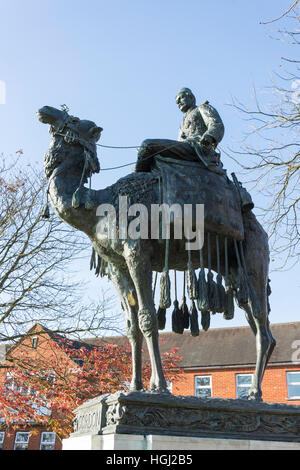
136,442
147,421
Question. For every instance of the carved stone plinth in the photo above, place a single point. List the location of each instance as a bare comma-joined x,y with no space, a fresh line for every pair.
143,413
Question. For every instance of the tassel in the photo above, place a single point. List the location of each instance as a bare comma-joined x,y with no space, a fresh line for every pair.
220,294
242,292
98,267
154,287
185,313
161,312
192,286
229,304
212,289
165,284
165,288
89,203
76,198
184,308
45,214
269,292
161,318
212,292
220,299
202,301
211,285
177,323
194,320
93,260
205,320
103,268
177,318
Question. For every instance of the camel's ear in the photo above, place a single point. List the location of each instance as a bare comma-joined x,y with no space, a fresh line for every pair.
95,133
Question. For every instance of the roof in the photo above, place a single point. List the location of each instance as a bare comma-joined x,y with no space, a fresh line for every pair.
222,347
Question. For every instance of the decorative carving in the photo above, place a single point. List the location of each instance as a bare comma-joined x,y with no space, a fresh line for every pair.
192,416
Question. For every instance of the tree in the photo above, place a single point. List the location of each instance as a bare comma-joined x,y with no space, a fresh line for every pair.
36,257
273,147
45,388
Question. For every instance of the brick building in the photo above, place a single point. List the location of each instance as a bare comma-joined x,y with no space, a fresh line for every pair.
38,342
217,363
220,362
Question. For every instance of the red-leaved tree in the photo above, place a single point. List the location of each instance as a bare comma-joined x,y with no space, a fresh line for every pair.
45,388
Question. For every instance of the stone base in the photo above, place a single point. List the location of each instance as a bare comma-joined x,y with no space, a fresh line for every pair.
150,421
158,442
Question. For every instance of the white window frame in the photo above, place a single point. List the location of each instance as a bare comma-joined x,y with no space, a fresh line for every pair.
290,373
2,436
13,385
196,387
47,443
21,442
249,374
169,386
48,375
34,342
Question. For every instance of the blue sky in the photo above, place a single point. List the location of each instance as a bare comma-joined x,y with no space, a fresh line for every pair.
121,63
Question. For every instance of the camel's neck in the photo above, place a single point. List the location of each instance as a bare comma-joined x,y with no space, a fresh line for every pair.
63,183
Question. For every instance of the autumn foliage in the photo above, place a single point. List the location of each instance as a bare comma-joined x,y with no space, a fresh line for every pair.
45,386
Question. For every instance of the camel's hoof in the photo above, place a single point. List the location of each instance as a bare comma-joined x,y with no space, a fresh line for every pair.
159,388
255,395
136,386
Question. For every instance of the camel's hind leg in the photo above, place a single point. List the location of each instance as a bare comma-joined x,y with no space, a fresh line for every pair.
140,269
265,344
257,263
125,287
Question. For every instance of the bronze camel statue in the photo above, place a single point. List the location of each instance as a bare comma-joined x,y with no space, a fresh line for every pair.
70,160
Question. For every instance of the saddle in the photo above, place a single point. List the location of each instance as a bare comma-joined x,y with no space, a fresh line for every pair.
183,182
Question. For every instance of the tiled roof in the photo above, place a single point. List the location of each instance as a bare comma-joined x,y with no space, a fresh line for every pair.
221,347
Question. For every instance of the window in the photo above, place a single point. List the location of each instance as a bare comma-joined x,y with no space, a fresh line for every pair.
203,386
293,384
47,440
21,440
48,375
34,342
2,434
169,386
243,384
12,384
78,361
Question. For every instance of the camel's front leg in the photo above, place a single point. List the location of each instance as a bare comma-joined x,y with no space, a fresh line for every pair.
141,273
125,287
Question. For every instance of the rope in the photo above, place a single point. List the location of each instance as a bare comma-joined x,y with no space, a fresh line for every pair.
114,147
155,280
132,163
130,147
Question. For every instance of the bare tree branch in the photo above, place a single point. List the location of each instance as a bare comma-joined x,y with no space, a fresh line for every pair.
36,257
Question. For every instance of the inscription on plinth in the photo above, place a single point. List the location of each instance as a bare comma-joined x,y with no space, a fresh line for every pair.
90,417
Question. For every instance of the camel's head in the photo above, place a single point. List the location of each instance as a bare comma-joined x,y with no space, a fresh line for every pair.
71,135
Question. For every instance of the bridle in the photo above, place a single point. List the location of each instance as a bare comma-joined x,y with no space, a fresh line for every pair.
67,129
